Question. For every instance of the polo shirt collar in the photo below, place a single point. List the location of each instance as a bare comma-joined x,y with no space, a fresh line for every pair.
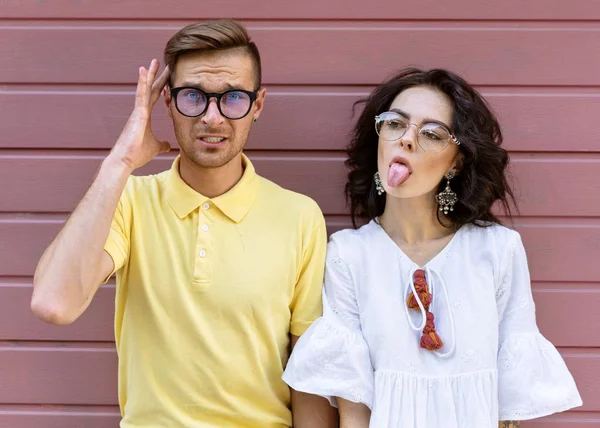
235,203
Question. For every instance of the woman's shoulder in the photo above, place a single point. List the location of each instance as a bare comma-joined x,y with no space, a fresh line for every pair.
353,241
491,232
355,236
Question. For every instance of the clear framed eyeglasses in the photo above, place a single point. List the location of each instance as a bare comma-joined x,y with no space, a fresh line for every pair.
432,137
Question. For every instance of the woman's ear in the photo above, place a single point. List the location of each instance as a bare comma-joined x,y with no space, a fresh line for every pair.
457,164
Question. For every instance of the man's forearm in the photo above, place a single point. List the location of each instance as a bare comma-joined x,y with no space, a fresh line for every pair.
73,266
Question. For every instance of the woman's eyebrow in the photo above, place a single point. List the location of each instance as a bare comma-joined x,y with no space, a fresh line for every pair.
426,120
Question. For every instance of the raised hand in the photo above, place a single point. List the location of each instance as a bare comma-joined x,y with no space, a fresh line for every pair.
137,144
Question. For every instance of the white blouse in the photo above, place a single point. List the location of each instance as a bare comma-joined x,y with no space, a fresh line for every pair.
494,365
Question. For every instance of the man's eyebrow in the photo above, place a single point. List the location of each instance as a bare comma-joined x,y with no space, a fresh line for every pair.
198,85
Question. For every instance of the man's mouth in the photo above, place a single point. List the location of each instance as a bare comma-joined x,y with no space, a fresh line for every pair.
212,140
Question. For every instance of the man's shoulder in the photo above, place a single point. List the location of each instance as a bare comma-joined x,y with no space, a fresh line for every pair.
288,201
143,192
144,184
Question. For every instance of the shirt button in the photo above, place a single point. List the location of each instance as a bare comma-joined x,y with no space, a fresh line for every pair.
202,253
205,227
206,206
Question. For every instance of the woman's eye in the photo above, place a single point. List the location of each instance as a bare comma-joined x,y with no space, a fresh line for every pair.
396,124
431,135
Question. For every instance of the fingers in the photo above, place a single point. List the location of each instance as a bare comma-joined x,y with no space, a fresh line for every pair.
159,84
141,90
150,82
144,92
151,74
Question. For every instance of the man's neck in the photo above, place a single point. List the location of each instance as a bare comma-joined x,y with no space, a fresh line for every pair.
211,182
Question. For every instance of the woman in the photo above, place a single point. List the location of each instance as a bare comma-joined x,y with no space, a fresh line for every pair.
429,320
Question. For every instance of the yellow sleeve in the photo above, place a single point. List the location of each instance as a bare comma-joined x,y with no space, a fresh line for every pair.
307,304
117,243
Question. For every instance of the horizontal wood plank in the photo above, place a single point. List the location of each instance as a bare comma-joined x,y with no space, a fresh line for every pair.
564,315
58,416
61,416
573,419
309,9
46,416
557,252
545,185
17,322
64,375
58,375
60,181
315,55
296,120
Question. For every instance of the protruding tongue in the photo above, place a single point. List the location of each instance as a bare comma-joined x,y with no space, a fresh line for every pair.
397,174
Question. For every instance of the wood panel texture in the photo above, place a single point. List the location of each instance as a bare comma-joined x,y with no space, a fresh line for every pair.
67,74
578,10
313,118
330,54
546,185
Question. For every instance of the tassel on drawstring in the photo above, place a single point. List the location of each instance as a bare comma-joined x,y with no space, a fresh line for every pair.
422,290
430,340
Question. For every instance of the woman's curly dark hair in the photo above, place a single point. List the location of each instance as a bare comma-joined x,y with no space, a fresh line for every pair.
482,179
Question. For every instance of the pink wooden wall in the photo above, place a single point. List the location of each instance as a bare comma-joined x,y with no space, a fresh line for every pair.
66,88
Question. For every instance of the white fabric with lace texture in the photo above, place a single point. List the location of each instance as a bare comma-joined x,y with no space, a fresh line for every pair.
497,364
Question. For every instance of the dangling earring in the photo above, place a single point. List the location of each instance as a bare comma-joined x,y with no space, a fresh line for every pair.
378,184
447,198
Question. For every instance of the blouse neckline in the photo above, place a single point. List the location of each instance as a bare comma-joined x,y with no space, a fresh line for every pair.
438,259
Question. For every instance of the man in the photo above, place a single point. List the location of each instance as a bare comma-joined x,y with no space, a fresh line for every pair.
218,270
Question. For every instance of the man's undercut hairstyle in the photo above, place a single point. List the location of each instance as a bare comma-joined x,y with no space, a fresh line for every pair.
211,36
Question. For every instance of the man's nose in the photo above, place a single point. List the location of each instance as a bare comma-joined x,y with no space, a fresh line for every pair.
212,116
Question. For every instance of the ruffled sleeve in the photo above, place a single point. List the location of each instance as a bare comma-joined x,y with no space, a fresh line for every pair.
534,380
331,358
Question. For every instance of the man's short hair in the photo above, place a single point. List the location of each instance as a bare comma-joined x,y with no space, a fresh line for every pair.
210,36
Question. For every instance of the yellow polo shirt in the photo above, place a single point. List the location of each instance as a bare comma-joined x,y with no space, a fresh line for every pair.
208,292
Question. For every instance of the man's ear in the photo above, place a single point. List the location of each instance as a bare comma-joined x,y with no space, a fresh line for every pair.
166,92
259,103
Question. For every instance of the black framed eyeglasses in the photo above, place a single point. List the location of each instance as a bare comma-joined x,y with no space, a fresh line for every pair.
193,102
